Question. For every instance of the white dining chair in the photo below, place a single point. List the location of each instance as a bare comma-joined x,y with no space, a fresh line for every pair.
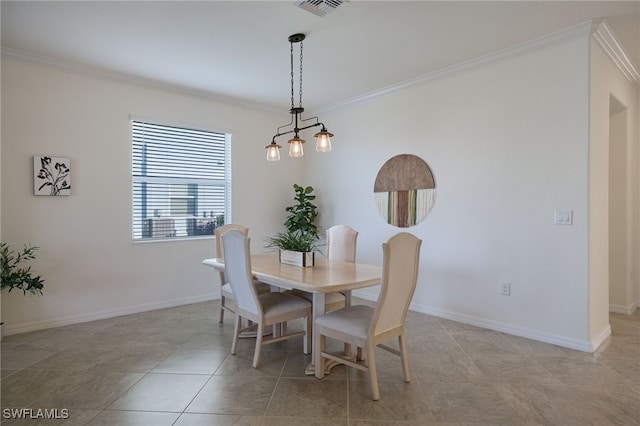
370,327
272,308
341,242
226,294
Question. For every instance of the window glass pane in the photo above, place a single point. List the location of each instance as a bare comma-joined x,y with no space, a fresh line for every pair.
181,181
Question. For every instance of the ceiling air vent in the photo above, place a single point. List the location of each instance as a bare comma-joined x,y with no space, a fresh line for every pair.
319,7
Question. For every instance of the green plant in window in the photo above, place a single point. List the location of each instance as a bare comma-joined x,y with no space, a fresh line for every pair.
219,220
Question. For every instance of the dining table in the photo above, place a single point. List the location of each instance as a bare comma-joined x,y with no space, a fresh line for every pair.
324,277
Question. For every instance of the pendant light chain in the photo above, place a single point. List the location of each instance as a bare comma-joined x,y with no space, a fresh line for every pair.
292,102
293,78
300,74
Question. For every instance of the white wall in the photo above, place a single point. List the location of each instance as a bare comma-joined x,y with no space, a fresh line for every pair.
620,297
90,266
614,154
508,143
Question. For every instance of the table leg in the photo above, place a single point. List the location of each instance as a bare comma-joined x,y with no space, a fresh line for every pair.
347,302
318,309
278,329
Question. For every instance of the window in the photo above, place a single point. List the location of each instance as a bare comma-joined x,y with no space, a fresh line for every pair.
181,181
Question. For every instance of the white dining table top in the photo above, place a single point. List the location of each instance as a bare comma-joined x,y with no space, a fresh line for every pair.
325,276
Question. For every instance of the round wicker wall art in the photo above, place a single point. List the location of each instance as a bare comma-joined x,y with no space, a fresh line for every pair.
405,190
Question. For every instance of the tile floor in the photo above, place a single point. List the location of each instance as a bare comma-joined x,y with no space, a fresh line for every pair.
173,367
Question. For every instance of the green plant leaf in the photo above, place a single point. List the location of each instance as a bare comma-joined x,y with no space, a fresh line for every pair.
301,232
15,276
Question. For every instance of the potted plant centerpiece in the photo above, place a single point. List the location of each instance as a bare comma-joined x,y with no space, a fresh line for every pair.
298,243
14,275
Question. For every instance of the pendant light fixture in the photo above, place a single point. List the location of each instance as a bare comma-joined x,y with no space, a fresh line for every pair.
323,142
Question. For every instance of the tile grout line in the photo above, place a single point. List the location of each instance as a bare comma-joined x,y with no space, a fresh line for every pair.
196,395
273,392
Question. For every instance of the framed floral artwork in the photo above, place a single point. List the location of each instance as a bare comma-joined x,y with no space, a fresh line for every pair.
51,175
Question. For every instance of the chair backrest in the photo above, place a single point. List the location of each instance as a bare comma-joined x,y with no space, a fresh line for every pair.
219,231
341,243
401,260
237,264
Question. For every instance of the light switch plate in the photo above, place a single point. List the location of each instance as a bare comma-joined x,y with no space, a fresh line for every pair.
563,217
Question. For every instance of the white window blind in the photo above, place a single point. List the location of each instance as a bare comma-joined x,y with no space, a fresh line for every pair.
181,181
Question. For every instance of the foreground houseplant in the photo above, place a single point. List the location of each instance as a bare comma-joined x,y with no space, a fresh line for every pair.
14,275
297,243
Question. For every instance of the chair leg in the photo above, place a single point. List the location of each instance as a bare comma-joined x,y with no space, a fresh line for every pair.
403,356
236,334
258,350
319,344
306,345
373,374
222,302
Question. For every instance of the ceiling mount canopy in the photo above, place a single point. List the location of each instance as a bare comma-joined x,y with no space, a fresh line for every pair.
323,142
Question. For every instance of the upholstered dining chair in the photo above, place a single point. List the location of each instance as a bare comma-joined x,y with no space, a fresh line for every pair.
272,308
369,327
225,288
341,241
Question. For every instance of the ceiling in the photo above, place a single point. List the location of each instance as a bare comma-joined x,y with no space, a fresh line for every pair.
238,50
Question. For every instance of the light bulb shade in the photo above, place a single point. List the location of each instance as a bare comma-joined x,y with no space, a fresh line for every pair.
323,143
295,147
273,152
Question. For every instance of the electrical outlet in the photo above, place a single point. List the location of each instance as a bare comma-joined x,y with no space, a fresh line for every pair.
505,288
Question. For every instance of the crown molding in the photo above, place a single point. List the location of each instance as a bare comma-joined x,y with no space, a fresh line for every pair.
91,71
605,38
597,28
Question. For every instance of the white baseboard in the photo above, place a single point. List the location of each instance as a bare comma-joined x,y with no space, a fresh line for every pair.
580,345
10,329
620,309
597,341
